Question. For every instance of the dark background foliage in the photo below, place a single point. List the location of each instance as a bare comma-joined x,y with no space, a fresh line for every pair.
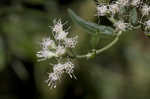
122,72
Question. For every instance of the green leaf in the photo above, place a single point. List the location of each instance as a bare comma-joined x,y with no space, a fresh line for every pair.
91,28
133,16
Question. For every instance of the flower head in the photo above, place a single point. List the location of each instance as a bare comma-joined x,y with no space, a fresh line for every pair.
114,8
145,10
102,10
120,25
58,70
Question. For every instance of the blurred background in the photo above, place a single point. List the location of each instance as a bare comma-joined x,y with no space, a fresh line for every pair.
122,72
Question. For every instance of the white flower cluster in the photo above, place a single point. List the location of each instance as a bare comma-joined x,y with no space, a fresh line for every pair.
121,18
58,70
56,48
102,10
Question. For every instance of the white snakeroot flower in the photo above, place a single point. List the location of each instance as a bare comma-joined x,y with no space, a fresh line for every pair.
135,2
145,10
147,24
56,49
120,25
102,10
71,42
58,70
123,2
114,8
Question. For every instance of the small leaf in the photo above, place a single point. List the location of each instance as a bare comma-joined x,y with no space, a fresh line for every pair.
91,28
133,16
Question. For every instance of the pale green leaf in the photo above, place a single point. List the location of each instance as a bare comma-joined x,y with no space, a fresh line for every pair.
90,27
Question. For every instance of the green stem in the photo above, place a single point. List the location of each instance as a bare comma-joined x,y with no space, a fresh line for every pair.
96,52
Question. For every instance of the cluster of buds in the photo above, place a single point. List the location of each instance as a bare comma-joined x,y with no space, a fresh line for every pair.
56,48
120,12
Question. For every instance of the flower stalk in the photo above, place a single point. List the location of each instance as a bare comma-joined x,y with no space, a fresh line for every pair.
96,52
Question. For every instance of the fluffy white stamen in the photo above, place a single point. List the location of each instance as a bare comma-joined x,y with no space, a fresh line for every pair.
69,68
120,25
58,70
